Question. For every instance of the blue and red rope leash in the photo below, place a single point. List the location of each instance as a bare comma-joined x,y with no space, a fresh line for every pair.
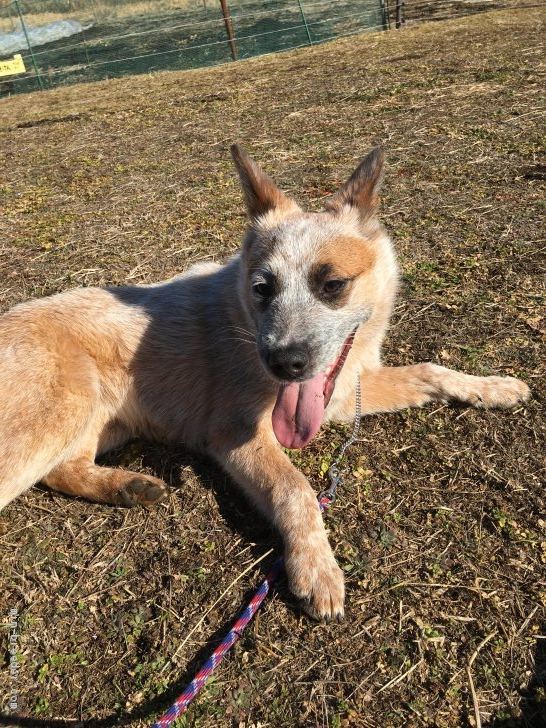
325,499
189,693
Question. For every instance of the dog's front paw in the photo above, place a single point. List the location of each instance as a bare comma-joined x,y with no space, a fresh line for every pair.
501,392
316,579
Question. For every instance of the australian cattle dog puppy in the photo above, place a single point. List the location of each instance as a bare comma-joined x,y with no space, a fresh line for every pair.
230,359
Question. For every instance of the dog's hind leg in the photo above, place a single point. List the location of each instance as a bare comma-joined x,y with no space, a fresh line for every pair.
51,420
80,476
394,388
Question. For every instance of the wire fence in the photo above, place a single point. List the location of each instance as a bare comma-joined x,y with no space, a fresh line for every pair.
46,43
54,42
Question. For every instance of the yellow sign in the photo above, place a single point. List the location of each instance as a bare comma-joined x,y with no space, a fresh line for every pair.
14,65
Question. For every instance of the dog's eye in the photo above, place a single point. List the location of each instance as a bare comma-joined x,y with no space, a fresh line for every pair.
330,288
262,290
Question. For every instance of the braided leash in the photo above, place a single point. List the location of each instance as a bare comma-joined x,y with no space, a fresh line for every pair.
325,499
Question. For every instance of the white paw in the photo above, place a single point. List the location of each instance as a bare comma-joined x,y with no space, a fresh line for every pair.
315,577
503,392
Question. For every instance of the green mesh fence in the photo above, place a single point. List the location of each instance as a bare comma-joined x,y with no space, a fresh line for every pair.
70,41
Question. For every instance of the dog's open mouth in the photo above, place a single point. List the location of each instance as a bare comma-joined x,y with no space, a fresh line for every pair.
299,409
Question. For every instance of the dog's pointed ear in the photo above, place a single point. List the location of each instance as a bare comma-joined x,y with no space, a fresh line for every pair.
261,193
361,191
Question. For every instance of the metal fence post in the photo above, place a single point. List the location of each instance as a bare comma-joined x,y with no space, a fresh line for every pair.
24,27
399,13
385,14
229,29
305,23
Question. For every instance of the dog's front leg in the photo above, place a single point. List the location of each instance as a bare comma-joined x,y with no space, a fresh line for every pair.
393,388
281,492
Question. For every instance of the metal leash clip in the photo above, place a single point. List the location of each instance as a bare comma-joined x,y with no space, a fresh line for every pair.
335,475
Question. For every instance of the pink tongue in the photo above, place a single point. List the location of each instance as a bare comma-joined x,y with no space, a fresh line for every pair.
298,412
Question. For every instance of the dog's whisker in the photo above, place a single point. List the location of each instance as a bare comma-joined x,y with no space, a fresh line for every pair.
244,335
244,341
240,330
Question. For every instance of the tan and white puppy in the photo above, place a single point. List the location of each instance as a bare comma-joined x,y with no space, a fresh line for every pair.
232,360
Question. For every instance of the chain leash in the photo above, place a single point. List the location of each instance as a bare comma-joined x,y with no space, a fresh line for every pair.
335,473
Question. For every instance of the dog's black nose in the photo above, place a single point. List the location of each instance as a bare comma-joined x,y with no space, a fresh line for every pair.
290,362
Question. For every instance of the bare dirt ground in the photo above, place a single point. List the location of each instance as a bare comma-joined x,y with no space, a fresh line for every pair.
441,528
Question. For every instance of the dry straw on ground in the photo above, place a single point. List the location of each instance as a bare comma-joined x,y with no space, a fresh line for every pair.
441,530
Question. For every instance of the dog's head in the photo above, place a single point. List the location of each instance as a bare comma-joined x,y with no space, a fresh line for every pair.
310,280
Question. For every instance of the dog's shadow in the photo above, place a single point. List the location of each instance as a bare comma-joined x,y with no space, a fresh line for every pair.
235,509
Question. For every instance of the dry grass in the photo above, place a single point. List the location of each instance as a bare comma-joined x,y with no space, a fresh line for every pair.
441,529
